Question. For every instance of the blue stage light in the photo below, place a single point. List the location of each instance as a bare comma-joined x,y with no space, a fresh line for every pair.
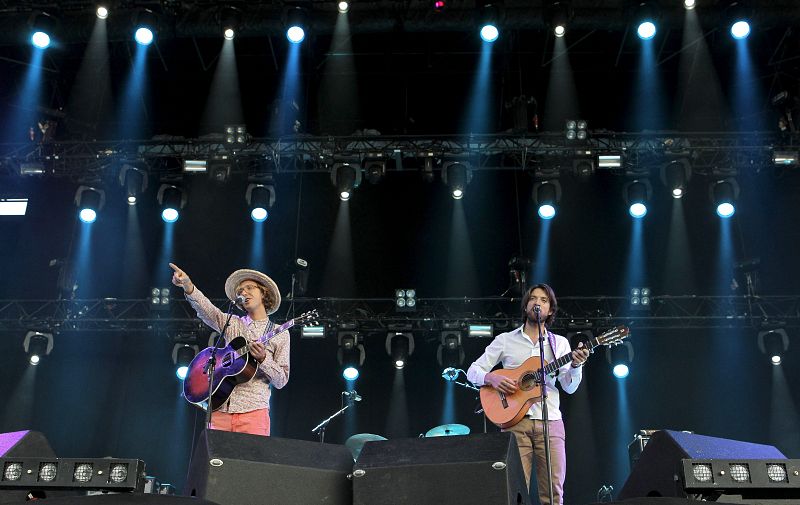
740,29
259,214
489,33
89,201
638,210
144,36
88,216
181,372
40,39
295,34
646,30
637,194
547,211
547,194
350,373
724,194
726,210
170,215
621,371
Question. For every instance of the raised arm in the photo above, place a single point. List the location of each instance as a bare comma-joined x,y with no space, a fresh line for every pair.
206,310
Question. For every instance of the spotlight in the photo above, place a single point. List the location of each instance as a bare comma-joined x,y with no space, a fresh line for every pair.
645,17
456,175
296,24
228,33
609,161
236,136
375,170
489,33
724,194
182,356
134,181
557,14
740,29
102,12
620,357
546,195
405,300
637,194
160,298
784,158
89,202
229,18
399,345
42,27
774,343
576,129
346,177
439,5
559,30
640,297
450,353
172,199
260,198
351,353
689,4
488,16
37,345
646,31
343,7
145,28
675,175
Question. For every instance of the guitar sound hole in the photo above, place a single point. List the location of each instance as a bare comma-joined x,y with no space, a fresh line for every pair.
527,382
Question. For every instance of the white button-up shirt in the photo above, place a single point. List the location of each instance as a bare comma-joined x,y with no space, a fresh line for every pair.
512,349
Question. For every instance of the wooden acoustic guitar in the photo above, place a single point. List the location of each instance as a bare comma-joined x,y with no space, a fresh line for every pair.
234,366
507,410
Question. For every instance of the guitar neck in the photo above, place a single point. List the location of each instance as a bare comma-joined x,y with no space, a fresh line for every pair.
285,326
567,358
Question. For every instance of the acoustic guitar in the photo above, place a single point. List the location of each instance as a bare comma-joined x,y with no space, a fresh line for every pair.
234,366
507,410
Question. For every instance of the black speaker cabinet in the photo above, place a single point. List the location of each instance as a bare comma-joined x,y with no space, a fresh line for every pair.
659,466
240,469
465,470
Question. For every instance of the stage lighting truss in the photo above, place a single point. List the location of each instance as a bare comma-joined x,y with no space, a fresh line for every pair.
637,194
346,177
450,352
701,476
547,196
172,199
37,344
405,300
133,181
399,345
774,343
67,473
723,194
260,199
576,129
351,351
557,13
89,201
43,27
640,297
675,176
456,175
160,298
620,357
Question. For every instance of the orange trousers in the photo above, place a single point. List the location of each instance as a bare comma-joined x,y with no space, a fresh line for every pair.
255,422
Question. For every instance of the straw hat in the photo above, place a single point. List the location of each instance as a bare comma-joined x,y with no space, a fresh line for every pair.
238,276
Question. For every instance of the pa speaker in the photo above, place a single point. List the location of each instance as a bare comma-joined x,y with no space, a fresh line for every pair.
476,469
241,469
656,472
20,444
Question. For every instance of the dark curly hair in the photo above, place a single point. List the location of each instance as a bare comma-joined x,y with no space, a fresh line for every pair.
266,295
553,303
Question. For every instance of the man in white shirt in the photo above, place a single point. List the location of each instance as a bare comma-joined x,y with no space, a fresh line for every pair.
512,349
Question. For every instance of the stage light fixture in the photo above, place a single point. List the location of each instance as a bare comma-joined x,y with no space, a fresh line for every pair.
13,206
784,158
439,5
450,352
75,476
640,297
229,20
182,356
456,175
145,32
547,195
236,136
723,194
102,12
37,345
296,25
134,182
773,343
609,161
675,175
557,13
740,29
31,168
488,19
172,199
405,300
375,170
89,201
399,345
645,17
637,194
351,354
576,129
42,29
313,331
689,4
219,169
260,198
480,330
343,7
620,357
160,298
346,177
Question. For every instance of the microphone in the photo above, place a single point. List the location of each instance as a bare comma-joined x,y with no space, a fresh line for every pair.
239,300
450,373
352,395
537,308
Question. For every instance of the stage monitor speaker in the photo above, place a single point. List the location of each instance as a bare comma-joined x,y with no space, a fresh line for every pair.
240,469
656,473
474,469
27,443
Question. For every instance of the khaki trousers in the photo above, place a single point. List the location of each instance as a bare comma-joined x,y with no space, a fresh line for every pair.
530,440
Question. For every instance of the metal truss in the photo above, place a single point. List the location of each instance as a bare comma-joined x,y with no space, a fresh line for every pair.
547,152
431,314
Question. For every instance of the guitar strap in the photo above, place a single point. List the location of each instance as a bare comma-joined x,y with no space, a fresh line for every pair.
552,339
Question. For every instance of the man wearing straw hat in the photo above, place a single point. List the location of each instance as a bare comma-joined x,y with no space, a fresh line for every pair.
247,409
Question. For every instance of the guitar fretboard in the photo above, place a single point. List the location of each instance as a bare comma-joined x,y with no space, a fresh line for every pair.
563,360
266,338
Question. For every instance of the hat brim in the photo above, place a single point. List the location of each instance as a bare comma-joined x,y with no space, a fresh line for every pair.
239,276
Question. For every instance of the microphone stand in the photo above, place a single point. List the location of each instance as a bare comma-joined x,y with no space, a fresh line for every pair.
211,364
320,428
545,420
471,386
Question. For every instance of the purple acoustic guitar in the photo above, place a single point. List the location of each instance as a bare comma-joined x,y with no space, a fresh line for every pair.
234,366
